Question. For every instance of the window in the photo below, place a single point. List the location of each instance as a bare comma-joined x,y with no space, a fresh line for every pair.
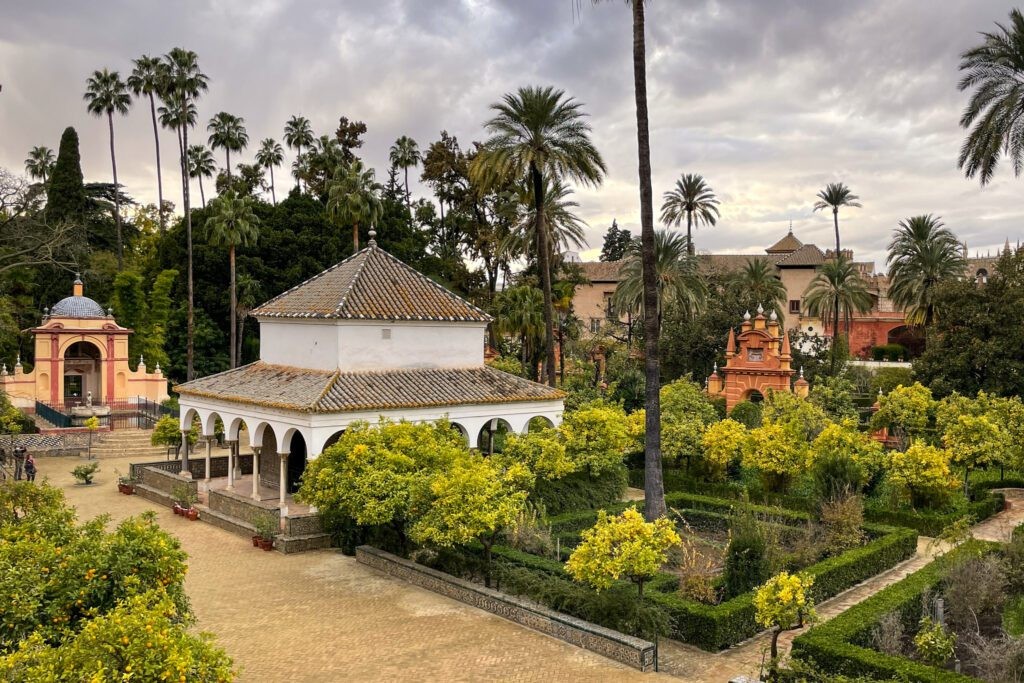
755,355
609,310
385,333
595,325
794,306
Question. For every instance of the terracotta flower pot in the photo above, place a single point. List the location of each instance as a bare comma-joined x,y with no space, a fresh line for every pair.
266,544
193,514
255,541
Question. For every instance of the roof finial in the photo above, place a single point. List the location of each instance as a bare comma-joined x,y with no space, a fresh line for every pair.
790,226
760,309
774,316
746,316
373,236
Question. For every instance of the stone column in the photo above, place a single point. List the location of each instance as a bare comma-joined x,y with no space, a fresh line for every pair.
256,472
209,454
231,464
185,472
283,483
236,451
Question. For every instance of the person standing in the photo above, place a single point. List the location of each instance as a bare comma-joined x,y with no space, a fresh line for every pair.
19,462
30,467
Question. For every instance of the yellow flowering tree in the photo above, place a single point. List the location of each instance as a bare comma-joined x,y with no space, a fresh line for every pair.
723,444
686,412
922,471
798,416
974,440
595,436
843,439
783,603
143,638
543,451
380,474
777,453
623,546
474,499
905,412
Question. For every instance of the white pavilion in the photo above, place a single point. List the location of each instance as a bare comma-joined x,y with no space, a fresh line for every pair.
368,338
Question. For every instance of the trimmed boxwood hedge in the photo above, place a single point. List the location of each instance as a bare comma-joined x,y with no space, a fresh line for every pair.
581,490
834,646
985,502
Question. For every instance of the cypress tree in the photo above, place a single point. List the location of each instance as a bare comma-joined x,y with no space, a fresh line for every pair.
66,200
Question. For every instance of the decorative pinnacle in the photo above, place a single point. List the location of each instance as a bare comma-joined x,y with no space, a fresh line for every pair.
801,372
78,278
774,316
110,312
142,359
18,363
760,309
716,367
3,371
746,316
373,236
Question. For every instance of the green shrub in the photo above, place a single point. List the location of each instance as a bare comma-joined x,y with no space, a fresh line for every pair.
85,472
836,474
746,559
747,414
839,645
887,379
890,352
581,491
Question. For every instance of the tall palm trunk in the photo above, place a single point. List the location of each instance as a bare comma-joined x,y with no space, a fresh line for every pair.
159,175
654,487
544,265
835,335
227,160
408,197
835,220
355,237
273,194
689,233
298,157
234,306
202,194
190,371
117,195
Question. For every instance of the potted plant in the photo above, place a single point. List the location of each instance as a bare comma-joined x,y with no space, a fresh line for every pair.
184,500
125,485
266,530
85,472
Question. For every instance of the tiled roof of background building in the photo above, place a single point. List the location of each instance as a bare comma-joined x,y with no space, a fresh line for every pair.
601,271
320,391
786,245
806,255
371,285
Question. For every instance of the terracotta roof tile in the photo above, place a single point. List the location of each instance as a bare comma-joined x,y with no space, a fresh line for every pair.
601,271
807,255
319,391
371,285
786,245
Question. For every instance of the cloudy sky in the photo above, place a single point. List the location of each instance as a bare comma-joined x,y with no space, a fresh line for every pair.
768,99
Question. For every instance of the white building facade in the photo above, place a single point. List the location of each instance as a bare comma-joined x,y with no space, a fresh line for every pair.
368,339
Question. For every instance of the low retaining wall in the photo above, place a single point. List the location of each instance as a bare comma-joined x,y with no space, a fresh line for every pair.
196,465
165,482
635,652
242,507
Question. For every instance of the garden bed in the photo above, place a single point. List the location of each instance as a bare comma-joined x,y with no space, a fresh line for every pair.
840,645
709,626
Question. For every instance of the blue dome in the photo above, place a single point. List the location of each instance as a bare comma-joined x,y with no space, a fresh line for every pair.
77,307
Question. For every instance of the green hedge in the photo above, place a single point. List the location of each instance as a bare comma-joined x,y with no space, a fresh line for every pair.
984,503
581,491
715,627
834,644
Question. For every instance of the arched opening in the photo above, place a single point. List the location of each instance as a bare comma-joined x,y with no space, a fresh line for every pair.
982,276
754,396
333,439
297,453
270,462
492,436
539,423
461,430
83,374
910,338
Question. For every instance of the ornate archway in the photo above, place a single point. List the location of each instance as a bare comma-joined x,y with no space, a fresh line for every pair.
83,373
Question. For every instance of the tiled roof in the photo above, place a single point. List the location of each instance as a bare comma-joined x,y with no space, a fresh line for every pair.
320,391
371,285
727,263
601,271
787,244
77,307
807,255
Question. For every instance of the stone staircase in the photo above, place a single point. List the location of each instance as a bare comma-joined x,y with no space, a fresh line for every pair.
127,442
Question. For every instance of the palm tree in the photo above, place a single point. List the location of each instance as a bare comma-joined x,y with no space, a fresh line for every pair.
227,132
353,197
519,311
680,282
564,226
185,82
148,78
270,155
201,165
837,291
922,254
106,94
232,224
405,154
995,70
538,133
832,197
39,163
247,298
692,197
758,280
298,134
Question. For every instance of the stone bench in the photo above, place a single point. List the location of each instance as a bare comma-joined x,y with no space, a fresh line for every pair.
635,652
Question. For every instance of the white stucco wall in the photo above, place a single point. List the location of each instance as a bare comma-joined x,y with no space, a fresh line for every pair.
365,346
371,345
299,343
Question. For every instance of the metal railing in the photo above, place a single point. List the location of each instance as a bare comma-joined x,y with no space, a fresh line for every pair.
53,415
134,413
